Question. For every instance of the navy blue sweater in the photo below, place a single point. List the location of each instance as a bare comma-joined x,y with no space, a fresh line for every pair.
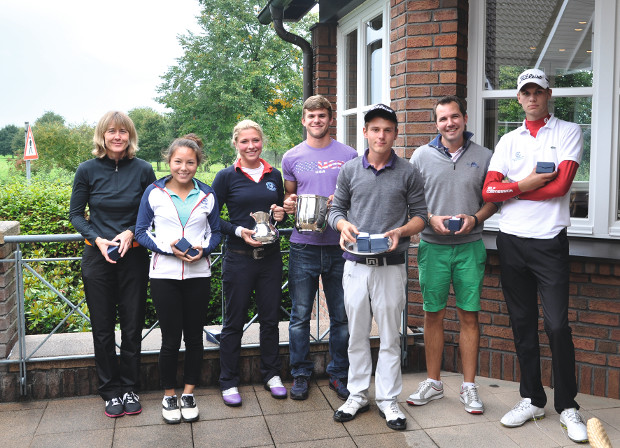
112,192
243,196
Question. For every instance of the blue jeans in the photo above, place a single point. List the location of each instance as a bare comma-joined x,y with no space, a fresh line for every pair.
306,263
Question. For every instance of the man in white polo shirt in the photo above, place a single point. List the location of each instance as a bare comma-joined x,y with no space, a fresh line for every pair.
531,171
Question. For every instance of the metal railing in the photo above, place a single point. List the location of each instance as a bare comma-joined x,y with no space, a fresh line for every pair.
23,264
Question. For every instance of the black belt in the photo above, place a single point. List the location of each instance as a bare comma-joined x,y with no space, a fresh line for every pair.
257,253
386,260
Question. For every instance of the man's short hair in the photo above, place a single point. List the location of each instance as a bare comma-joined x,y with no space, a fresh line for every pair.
317,102
447,100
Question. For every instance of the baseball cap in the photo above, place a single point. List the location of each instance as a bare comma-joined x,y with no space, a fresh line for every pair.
533,75
380,110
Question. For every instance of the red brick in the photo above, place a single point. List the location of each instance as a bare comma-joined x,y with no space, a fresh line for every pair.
498,332
546,371
422,53
584,379
600,318
445,39
599,382
508,367
420,116
576,267
422,5
604,269
418,17
506,345
613,384
484,363
447,52
441,65
445,14
418,66
590,358
614,361
422,28
607,347
496,365
615,335
449,27
584,343
590,331
447,77
606,280
591,290
444,90
500,319
611,306
419,41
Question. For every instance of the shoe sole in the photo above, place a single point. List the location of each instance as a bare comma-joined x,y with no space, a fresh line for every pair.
171,422
114,415
574,440
299,397
232,405
133,413
476,411
422,403
190,420
348,419
535,418
277,397
392,426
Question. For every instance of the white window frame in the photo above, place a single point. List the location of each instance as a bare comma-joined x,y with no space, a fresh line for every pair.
602,221
356,20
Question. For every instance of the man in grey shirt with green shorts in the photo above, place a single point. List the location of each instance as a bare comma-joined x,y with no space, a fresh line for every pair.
451,248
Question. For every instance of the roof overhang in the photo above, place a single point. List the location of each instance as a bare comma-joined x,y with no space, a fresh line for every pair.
294,10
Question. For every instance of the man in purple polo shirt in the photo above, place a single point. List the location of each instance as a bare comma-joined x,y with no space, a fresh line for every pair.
312,167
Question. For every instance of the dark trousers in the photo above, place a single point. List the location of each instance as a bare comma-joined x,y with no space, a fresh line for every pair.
241,275
109,287
181,307
539,265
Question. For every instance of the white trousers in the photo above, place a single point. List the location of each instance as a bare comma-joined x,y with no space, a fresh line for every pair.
380,292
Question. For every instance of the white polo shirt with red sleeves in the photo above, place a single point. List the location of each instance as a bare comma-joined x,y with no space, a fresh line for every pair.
515,156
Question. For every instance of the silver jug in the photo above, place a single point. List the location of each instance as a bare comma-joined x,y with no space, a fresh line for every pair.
265,230
311,215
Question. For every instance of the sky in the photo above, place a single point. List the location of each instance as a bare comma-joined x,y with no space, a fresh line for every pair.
81,58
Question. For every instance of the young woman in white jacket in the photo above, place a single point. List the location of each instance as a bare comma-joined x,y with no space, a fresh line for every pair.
182,209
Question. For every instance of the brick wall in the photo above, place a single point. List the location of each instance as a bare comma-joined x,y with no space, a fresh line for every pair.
8,302
428,60
594,313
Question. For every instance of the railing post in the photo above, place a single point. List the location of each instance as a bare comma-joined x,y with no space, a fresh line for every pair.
9,310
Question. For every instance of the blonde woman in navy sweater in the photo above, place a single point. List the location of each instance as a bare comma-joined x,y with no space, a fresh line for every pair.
250,185
180,208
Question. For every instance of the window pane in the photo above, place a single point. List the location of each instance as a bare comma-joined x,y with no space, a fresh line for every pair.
351,70
503,116
350,130
374,56
553,35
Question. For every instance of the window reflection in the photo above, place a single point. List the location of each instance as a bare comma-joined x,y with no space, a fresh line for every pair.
555,36
351,70
350,130
374,55
503,116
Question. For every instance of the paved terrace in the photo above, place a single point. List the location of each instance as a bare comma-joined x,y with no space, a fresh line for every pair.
264,421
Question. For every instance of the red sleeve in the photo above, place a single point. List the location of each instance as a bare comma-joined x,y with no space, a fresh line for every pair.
494,190
557,187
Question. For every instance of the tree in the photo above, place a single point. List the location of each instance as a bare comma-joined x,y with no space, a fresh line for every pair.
7,135
49,117
235,69
154,134
62,146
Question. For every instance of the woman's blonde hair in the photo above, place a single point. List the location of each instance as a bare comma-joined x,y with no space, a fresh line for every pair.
242,126
118,119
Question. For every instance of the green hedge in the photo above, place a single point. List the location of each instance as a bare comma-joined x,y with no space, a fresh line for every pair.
43,208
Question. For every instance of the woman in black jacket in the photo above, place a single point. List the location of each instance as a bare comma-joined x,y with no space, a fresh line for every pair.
114,267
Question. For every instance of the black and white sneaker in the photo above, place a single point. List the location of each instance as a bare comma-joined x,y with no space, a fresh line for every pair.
131,403
170,410
189,410
114,408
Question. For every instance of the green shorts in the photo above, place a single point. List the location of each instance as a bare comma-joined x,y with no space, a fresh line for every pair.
463,264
